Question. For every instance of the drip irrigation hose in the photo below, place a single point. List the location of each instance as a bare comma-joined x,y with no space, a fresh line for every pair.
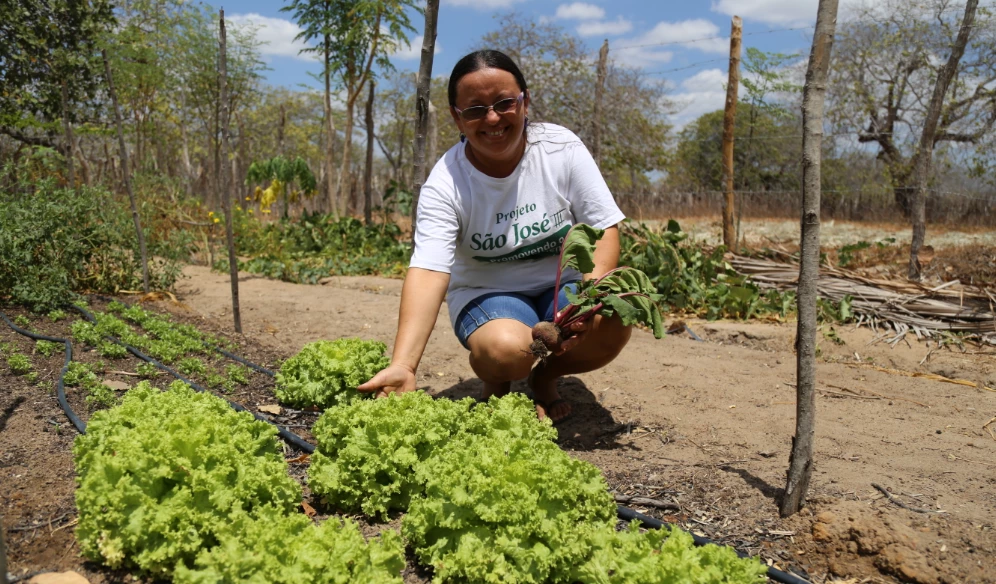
60,388
284,433
627,514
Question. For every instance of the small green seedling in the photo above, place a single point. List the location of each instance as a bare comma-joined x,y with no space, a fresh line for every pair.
19,364
46,348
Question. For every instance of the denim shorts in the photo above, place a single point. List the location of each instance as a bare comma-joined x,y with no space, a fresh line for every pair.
528,309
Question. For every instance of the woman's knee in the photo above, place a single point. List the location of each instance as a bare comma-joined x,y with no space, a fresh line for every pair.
610,332
502,351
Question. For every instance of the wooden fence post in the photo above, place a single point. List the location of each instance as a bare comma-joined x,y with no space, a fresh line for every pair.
223,182
729,123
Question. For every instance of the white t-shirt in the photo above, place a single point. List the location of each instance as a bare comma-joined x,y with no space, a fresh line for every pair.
504,234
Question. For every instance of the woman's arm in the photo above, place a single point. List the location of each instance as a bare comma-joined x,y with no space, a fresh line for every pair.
607,252
421,296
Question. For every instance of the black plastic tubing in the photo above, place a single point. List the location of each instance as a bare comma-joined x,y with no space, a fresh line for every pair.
283,432
60,388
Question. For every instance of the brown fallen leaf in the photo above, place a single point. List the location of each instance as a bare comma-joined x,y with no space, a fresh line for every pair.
308,509
59,578
300,459
271,409
117,385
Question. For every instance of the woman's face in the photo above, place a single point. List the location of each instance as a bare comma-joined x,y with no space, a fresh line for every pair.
497,140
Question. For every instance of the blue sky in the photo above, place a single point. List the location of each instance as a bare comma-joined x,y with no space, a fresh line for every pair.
658,37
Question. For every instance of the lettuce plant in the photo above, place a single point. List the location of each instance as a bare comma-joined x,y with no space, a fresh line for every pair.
163,474
326,373
660,556
367,450
277,548
503,502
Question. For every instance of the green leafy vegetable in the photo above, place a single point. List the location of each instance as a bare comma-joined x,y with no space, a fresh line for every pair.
326,373
47,348
503,502
661,557
18,363
367,450
289,549
162,475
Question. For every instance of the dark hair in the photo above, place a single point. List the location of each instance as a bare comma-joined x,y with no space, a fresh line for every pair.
486,59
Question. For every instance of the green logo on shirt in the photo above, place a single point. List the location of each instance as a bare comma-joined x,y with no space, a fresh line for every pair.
548,246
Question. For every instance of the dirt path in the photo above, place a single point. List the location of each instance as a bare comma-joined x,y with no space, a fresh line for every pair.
709,426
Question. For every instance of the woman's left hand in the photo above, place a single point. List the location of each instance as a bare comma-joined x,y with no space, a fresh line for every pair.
577,333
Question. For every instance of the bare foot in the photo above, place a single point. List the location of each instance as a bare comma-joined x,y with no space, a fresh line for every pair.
496,389
547,398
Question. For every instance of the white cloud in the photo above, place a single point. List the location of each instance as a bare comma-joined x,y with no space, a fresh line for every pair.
276,34
580,11
641,56
699,34
607,28
782,12
414,50
657,45
482,4
701,93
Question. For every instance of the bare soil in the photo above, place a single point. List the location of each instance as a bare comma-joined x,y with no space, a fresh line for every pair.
703,426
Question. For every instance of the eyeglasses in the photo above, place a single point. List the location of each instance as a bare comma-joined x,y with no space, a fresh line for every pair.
479,112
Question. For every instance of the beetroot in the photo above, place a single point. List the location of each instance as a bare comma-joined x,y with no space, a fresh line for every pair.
624,292
546,338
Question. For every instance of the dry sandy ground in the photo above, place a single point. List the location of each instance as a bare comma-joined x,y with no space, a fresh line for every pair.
708,426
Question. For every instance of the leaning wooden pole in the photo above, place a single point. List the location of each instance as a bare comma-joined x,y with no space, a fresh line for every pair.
225,191
422,103
126,172
601,72
801,460
729,123
368,166
925,155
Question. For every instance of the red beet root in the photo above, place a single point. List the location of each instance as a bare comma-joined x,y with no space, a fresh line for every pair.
546,338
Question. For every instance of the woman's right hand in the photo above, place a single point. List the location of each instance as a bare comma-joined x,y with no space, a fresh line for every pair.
396,378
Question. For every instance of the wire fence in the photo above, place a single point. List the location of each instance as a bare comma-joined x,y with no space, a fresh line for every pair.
944,207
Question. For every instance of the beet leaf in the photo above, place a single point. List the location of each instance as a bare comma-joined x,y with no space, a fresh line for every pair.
624,291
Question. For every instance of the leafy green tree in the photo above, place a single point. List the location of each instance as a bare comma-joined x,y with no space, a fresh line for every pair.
282,174
46,42
771,165
353,35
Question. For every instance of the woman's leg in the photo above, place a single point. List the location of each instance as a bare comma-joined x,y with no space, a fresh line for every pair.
499,354
494,328
603,343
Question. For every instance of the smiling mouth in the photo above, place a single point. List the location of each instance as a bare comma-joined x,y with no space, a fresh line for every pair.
496,133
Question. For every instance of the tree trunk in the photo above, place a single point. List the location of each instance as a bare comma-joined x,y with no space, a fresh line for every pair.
345,172
729,120
423,84
801,461
67,128
125,171
224,190
600,74
330,186
433,138
921,172
368,169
